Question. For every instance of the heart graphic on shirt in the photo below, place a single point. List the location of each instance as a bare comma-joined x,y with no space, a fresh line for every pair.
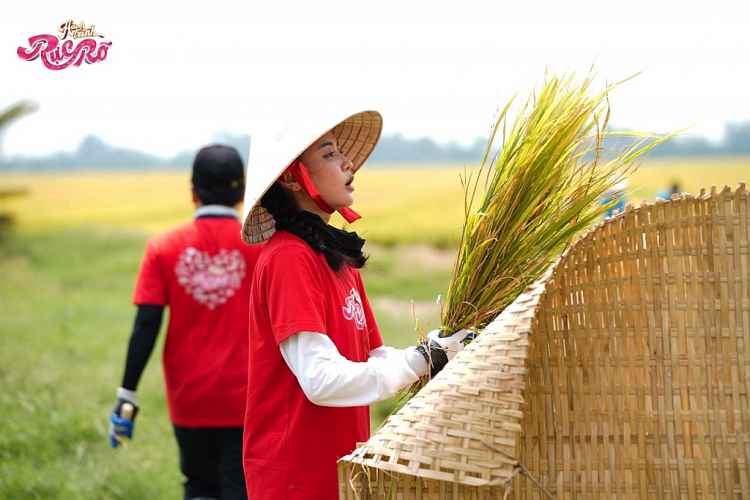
353,309
210,280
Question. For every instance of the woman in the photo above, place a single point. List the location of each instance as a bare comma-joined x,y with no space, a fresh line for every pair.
317,359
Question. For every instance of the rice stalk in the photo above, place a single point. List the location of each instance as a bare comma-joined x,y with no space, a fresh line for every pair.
538,187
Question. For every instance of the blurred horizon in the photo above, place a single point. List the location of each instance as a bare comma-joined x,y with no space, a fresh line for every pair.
94,153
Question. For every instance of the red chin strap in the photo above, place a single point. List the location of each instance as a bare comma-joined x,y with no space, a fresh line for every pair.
300,174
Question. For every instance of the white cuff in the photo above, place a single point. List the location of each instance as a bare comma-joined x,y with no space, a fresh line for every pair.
127,395
416,361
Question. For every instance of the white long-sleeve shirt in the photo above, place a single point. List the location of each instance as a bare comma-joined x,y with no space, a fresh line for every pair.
329,379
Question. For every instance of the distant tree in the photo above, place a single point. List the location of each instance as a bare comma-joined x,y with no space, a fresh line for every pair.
737,138
95,154
14,112
7,116
397,149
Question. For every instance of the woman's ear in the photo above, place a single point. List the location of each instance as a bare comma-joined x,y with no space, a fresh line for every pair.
287,182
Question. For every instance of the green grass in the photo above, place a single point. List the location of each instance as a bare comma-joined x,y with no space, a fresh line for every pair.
65,300
66,315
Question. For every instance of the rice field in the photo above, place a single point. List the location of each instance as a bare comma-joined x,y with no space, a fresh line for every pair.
400,204
68,273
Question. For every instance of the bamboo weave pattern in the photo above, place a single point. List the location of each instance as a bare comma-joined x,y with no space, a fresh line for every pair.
623,373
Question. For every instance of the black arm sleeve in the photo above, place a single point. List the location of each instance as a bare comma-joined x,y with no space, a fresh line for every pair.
142,340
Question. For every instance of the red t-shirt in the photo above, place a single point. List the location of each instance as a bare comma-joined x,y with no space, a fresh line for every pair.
202,271
292,445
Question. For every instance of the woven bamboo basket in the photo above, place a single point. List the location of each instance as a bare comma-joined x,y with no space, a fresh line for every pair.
623,373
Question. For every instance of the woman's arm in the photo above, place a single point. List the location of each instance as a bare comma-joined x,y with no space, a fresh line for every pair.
329,379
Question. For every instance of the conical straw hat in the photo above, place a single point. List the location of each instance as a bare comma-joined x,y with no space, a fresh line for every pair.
275,145
623,373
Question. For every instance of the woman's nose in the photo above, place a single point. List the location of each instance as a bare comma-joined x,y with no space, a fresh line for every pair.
348,164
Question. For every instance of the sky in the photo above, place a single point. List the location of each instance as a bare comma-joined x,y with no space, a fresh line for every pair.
175,76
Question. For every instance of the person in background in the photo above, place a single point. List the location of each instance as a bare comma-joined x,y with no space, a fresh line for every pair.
666,194
618,195
201,270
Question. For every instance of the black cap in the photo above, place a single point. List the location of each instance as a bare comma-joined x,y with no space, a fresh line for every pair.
219,175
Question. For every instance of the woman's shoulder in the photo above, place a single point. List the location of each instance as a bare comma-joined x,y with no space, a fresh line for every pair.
286,247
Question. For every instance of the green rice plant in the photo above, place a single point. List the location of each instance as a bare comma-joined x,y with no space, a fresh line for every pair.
532,197
537,188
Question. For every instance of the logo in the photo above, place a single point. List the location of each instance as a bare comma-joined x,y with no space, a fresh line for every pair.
210,280
353,309
74,44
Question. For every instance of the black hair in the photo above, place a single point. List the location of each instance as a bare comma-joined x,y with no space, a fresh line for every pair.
337,245
228,197
218,175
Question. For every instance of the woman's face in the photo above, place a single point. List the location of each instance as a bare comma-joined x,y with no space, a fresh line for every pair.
332,173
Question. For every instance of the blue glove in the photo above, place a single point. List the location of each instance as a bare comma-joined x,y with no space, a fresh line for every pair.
122,419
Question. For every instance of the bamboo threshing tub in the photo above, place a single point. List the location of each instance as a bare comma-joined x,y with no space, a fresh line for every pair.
623,373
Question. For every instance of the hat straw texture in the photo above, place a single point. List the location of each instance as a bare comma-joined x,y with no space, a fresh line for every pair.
271,154
358,135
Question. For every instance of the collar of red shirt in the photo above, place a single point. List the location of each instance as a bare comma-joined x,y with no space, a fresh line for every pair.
216,211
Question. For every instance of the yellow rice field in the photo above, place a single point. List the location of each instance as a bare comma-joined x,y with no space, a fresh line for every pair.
399,204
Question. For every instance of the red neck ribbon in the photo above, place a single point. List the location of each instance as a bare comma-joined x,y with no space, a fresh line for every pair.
300,174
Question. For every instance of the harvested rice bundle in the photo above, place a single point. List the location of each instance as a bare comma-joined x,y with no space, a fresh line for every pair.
533,194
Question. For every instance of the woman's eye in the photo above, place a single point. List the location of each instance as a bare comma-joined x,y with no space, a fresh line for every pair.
330,155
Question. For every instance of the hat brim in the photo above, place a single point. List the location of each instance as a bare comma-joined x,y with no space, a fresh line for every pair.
270,154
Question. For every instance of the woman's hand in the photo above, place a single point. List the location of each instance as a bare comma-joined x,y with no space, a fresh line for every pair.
439,348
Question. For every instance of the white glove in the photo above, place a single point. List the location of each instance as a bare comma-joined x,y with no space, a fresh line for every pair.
437,350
